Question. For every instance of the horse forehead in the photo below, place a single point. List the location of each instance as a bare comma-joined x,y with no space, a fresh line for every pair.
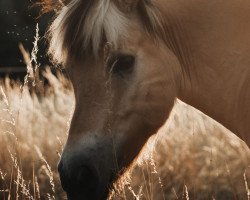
82,26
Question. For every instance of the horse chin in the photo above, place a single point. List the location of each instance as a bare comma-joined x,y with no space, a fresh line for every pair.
86,197
100,192
89,195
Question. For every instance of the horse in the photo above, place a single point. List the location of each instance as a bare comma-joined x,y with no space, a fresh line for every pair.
129,60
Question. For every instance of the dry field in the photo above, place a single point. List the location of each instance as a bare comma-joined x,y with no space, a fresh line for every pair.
192,157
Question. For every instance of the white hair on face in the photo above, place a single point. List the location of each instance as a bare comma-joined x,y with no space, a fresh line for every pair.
103,18
107,19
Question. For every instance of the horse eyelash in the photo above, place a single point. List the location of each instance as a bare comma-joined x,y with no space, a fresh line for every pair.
110,62
113,65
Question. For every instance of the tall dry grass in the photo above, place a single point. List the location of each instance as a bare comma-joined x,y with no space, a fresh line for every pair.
192,157
32,133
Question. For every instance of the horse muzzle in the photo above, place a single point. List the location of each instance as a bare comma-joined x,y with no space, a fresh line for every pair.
83,182
86,171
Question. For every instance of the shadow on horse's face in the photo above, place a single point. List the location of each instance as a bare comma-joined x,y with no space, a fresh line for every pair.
120,103
122,98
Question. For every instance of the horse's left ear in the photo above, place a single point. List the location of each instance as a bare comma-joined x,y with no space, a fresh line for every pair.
127,5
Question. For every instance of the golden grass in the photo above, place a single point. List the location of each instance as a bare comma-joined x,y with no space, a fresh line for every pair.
192,157
32,132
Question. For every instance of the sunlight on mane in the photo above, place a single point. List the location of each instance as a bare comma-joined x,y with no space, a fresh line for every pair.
103,18
80,27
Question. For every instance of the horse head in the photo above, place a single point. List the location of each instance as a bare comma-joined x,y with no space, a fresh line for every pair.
124,78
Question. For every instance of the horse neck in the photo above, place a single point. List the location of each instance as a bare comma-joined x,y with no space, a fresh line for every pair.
224,96
215,58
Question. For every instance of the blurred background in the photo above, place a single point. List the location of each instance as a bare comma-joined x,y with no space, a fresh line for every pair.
18,19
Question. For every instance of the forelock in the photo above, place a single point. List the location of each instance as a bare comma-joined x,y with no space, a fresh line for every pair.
81,26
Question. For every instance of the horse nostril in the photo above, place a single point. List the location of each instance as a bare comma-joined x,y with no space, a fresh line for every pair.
86,178
78,180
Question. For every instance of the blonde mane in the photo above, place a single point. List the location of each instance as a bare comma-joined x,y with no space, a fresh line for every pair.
81,26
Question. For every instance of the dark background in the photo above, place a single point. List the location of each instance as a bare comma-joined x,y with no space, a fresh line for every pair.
18,20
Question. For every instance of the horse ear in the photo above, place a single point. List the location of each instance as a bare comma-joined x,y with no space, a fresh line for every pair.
50,5
128,5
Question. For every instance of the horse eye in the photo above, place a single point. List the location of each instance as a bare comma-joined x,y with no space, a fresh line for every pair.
122,65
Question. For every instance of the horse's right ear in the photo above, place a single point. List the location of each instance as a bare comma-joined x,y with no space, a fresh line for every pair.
127,5
51,5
